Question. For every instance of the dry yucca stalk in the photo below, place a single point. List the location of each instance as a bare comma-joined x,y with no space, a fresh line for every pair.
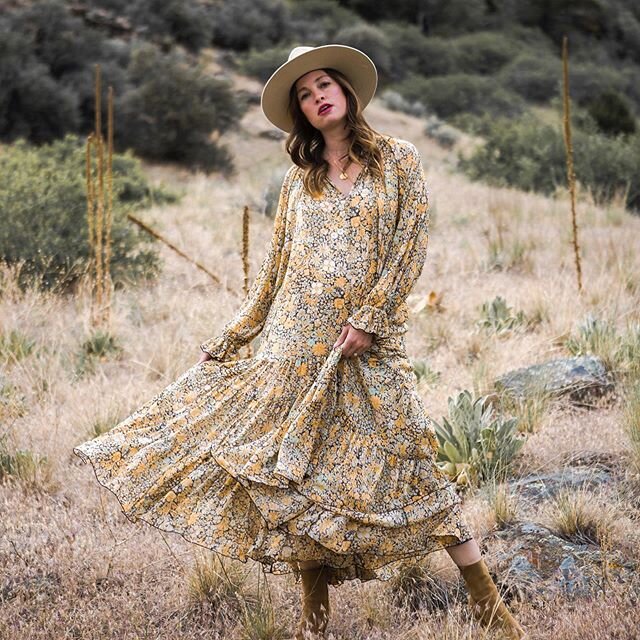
154,234
245,259
571,178
100,208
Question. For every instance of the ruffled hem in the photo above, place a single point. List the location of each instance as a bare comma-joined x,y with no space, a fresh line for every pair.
207,459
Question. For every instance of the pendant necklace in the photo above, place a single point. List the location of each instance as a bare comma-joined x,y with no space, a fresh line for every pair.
343,175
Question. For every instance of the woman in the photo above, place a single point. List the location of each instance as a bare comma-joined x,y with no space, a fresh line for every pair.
314,456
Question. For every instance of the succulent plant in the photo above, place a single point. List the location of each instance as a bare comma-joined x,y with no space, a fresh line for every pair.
475,444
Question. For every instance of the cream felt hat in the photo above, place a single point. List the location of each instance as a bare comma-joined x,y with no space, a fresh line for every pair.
356,66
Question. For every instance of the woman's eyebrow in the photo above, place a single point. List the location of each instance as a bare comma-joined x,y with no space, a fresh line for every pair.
316,80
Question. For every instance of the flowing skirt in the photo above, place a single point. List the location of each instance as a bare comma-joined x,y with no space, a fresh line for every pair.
284,460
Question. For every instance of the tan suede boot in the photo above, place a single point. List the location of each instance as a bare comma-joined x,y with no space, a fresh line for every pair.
488,606
315,603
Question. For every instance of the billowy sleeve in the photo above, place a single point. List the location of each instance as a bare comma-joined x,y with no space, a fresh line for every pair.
250,318
385,304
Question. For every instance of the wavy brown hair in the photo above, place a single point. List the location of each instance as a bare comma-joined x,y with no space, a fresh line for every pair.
305,144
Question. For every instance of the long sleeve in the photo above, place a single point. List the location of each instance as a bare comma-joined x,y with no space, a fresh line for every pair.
385,305
250,318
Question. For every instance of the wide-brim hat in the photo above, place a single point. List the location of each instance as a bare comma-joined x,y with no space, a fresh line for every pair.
353,63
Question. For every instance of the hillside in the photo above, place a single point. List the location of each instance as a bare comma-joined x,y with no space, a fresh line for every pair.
67,548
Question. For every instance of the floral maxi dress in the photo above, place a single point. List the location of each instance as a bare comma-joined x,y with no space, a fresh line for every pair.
297,453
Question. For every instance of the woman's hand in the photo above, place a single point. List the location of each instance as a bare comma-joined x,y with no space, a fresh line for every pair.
354,341
204,356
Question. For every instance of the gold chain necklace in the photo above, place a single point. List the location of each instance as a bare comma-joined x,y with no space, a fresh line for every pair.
343,175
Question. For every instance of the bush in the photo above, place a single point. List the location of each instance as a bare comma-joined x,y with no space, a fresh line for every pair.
57,39
316,22
246,24
43,214
188,23
261,64
535,77
611,113
411,51
458,93
394,101
484,52
173,110
369,39
165,108
32,104
441,17
590,79
48,72
531,156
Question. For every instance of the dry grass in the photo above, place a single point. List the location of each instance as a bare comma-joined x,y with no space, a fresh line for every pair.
71,565
580,517
504,504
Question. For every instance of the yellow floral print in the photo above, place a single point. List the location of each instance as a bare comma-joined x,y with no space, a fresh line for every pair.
297,453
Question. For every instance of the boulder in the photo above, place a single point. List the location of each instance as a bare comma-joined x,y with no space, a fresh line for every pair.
580,378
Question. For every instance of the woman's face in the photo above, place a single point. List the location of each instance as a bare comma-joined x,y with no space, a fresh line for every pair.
317,90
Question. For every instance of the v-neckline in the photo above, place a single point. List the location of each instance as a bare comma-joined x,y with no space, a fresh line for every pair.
353,186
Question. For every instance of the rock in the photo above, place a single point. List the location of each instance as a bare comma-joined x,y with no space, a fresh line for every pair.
522,579
571,579
580,378
273,134
542,486
533,561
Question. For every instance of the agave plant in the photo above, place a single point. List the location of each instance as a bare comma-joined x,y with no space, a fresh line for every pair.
475,444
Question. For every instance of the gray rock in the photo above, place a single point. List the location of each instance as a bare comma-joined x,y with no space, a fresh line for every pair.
580,378
571,580
534,561
273,134
542,486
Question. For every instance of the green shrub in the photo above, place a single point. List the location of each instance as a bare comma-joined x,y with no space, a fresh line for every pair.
246,24
15,346
612,113
394,101
534,76
458,93
589,79
32,104
369,39
529,155
21,464
262,63
439,17
620,352
43,214
475,445
46,87
412,52
442,133
187,23
166,106
484,52
316,22
174,108
98,347
57,39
